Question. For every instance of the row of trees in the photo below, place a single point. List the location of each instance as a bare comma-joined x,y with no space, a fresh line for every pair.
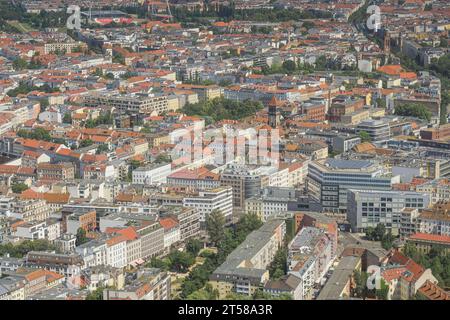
221,108
228,13
226,239
24,88
21,64
413,110
178,261
39,134
379,233
21,249
103,118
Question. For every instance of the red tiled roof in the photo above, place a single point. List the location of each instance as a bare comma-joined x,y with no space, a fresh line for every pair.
430,237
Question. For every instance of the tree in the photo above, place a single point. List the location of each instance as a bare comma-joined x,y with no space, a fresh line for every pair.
81,237
86,143
361,289
248,223
102,148
160,264
215,223
193,246
206,293
370,233
289,66
67,118
19,187
19,64
278,267
162,158
382,293
110,76
97,294
220,108
180,261
365,136
413,110
380,230
20,250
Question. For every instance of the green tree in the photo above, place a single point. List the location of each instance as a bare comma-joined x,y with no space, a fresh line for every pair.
67,118
110,76
102,149
215,223
21,249
19,64
81,236
97,294
413,110
193,246
382,293
163,264
162,158
180,261
19,187
365,137
86,143
380,230
278,267
289,66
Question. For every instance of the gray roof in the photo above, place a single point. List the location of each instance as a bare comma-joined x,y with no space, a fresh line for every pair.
339,279
348,164
254,242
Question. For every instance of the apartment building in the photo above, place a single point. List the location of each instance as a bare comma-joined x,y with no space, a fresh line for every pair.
368,208
116,251
204,92
378,130
328,181
245,269
151,284
188,219
424,242
310,255
55,171
31,210
67,264
200,178
206,201
49,229
152,239
436,220
438,189
86,220
171,231
66,47
248,180
130,103
271,201
151,174
93,253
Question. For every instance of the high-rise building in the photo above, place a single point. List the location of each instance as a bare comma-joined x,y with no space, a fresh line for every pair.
329,179
368,208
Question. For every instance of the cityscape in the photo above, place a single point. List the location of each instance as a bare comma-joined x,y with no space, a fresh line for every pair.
253,150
